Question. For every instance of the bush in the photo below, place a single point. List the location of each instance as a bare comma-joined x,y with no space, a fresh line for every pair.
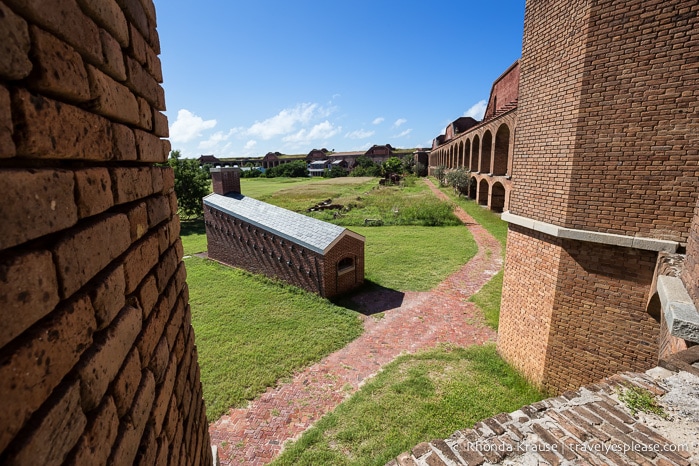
439,174
296,169
459,179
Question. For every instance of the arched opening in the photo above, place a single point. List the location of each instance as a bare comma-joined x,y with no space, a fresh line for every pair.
345,265
472,187
497,198
460,162
483,192
475,153
485,152
467,154
502,149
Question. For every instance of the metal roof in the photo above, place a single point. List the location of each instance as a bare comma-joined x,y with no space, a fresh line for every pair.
308,232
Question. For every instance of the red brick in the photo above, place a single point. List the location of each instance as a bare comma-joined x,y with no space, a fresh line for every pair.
139,260
48,129
108,296
14,45
126,382
107,14
163,395
135,14
157,175
113,64
160,125
93,191
112,99
54,16
153,331
150,147
158,363
95,445
58,69
144,84
42,203
163,447
145,114
138,46
7,145
130,184
147,294
101,363
36,366
59,427
130,432
168,179
124,147
148,449
28,287
158,210
153,65
83,252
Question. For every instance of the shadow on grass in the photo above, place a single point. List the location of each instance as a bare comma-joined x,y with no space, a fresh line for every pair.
371,298
192,227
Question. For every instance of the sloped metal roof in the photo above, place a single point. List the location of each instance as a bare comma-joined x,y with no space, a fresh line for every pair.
308,232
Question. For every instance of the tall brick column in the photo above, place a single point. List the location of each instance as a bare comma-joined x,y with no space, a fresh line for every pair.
606,175
97,357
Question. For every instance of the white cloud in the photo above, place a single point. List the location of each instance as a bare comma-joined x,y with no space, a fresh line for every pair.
378,121
188,126
404,133
285,121
250,144
399,122
360,134
477,110
324,130
216,138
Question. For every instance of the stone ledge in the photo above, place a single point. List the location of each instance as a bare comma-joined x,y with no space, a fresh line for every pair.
648,244
680,313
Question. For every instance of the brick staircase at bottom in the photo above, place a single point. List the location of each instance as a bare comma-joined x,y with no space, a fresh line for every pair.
585,426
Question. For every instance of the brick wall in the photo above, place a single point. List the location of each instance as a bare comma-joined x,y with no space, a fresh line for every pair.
337,282
690,273
505,90
606,141
97,357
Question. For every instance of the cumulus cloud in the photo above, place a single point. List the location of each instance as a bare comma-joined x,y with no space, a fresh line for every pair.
188,126
399,121
359,134
477,110
250,144
378,120
216,138
285,121
404,133
324,130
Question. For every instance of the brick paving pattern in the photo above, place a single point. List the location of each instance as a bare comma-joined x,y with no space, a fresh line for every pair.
412,321
588,426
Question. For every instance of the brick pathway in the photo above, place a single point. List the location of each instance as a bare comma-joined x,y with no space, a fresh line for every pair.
412,321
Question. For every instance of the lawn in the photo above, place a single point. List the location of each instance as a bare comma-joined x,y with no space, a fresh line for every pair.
252,331
415,398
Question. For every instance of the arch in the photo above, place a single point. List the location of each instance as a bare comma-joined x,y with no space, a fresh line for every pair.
483,189
345,264
472,188
475,153
497,197
486,148
467,154
460,162
502,150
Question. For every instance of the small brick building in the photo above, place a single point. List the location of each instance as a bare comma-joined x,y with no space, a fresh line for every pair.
262,238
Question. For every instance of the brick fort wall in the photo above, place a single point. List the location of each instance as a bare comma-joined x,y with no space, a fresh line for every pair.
97,357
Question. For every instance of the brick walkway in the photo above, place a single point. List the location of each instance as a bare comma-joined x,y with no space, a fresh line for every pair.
412,321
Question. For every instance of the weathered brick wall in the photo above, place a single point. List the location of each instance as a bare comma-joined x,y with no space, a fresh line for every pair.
240,244
690,273
606,141
527,300
335,283
599,323
97,356
505,90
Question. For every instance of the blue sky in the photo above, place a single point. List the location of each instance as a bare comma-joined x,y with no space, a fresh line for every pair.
247,77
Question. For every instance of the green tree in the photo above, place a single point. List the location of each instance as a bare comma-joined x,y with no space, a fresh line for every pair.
439,173
191,185
459,179
391,166
295,169
336,172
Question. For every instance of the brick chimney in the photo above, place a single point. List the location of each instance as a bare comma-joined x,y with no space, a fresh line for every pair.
226,180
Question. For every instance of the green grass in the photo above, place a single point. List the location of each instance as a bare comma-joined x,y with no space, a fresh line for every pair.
193,235
410,259
261,187
486,218
488,300
413,399
252,331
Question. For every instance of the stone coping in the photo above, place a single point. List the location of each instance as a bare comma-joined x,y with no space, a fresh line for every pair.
680,313
649,244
